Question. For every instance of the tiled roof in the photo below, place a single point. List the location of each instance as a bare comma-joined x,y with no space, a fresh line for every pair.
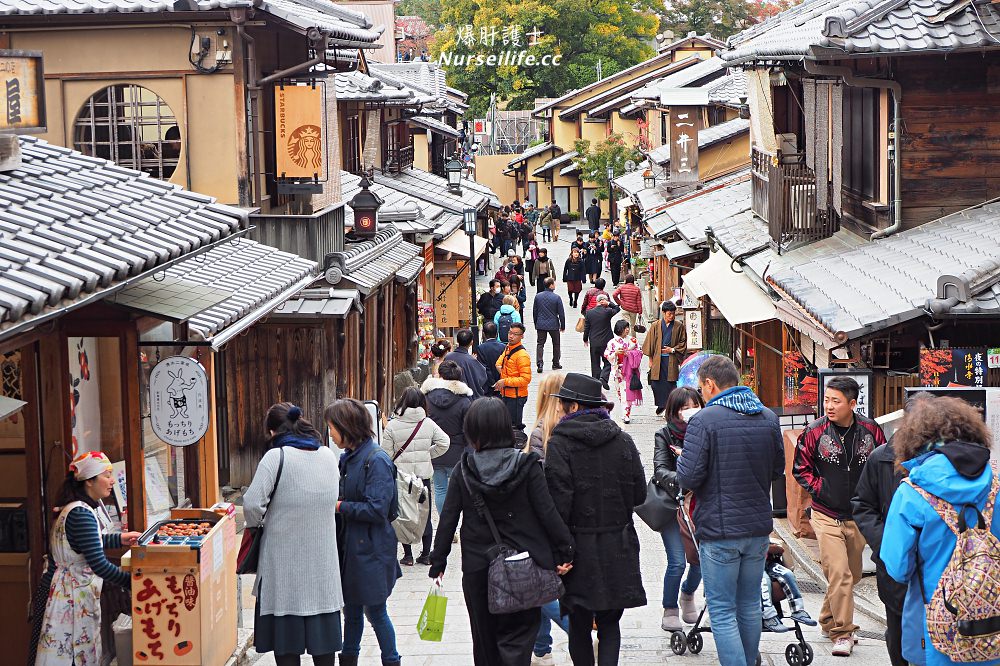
318,303
370,264
567,170
949,266
531,152
706,137
831,28
73,226
259,276
729,89
693,215
357,87
554,162
424,77
343,23
435,125
426,186
430,218
697,73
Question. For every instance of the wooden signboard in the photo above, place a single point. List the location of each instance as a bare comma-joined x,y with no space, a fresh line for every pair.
446,311
24,92
685,122
299,141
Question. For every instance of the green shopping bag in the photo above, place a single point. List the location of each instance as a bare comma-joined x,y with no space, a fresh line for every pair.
430,626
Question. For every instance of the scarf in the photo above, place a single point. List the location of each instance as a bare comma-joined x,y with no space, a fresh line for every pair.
739,399
599,411
677,430
295,441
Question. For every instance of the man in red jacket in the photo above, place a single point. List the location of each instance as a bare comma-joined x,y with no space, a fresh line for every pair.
629,297
829,458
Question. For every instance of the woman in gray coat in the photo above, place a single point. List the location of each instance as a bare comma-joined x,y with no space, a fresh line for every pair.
295,486
412,440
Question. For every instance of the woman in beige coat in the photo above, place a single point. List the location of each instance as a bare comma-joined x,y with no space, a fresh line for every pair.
413,440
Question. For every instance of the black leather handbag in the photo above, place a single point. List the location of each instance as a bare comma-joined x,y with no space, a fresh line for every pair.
660,507
513,584
249,554
634,383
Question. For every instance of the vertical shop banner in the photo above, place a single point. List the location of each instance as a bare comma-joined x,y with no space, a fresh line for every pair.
446,310
959,366
685,122
692,323
298,135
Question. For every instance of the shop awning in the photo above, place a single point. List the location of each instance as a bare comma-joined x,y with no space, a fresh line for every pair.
320,303
678,250
458,244
370,264
737,297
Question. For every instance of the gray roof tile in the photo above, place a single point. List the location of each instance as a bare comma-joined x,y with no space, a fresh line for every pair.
371,263
63,237
828,28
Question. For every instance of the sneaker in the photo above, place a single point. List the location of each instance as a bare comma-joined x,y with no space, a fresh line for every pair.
671,620
802,617
540,371
406,560
842,647
627,421
774,625
424,559
689,610
542,660
824,633
556,366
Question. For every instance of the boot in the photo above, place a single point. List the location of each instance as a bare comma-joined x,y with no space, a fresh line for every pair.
689,609
671,620
392,663
348,661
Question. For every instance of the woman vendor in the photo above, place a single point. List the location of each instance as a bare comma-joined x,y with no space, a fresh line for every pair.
69,632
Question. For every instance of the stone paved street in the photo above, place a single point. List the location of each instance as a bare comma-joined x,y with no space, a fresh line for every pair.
643,640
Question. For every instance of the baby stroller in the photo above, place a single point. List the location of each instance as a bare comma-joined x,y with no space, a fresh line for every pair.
799,653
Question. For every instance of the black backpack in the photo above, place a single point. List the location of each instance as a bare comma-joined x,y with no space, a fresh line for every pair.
503,327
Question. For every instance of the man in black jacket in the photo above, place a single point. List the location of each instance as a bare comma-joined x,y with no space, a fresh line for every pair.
489,302
550,321
593,214
872,497
597,333
490,350
473,372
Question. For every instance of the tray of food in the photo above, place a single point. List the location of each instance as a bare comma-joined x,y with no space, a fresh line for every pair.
177,532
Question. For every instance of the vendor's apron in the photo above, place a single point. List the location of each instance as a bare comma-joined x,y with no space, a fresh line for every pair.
71,627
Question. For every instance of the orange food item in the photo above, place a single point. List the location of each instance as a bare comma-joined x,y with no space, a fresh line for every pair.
183,648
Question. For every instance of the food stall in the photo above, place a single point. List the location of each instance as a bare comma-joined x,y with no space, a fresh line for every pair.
184,604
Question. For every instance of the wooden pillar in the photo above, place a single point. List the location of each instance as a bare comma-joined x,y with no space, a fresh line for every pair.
207,449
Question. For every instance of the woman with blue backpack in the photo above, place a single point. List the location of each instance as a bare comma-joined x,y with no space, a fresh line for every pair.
940,536
507,315
368,568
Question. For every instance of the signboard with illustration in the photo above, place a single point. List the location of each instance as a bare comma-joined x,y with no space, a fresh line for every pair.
798,388
958,366
179,400
299,142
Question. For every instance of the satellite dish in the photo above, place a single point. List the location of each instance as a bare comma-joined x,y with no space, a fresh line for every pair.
629,166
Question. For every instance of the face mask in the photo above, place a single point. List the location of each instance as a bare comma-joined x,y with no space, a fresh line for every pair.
686,414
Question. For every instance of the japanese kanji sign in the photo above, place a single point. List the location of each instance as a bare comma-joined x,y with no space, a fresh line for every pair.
964,366
178,400
685,122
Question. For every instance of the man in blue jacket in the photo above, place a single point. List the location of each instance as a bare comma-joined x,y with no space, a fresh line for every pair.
473,372
732,452
550,320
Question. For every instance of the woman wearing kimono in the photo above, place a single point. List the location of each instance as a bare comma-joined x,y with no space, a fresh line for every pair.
69,631
625,357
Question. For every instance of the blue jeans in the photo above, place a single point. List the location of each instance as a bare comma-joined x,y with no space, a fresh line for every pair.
676,560
734,565
440,479
550,614
354,626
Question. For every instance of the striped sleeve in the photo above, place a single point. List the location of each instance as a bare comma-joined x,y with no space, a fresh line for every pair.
84,538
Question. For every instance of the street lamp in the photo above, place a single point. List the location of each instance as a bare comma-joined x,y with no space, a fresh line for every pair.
611,198
649,179
365,205
469,218
454,170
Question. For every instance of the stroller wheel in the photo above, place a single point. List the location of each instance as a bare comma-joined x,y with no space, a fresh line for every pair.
794,655
695,642
678,642
807,653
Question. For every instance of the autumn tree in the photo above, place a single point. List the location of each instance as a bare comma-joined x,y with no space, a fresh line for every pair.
593,162
720,18
580,32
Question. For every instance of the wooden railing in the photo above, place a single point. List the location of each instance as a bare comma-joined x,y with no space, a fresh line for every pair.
784,196
397,159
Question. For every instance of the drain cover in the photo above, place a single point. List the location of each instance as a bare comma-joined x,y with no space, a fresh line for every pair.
806,585
874,635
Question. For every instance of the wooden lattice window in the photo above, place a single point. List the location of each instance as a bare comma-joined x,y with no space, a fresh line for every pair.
131,126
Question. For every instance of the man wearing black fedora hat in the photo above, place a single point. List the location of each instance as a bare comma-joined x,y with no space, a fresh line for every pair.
595,477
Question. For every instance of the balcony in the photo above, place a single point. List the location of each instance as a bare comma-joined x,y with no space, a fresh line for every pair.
397,158
784,196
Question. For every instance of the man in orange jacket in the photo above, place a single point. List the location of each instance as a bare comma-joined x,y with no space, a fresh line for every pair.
515,375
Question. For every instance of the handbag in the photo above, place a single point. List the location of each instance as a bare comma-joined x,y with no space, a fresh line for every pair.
634,383
249,555
581,324
430,626
639,328
514,582
413,507
659,509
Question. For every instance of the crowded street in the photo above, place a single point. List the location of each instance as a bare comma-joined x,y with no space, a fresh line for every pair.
643,641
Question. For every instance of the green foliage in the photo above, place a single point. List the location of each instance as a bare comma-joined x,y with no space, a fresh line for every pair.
594,162
574,215
580,31
428,10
